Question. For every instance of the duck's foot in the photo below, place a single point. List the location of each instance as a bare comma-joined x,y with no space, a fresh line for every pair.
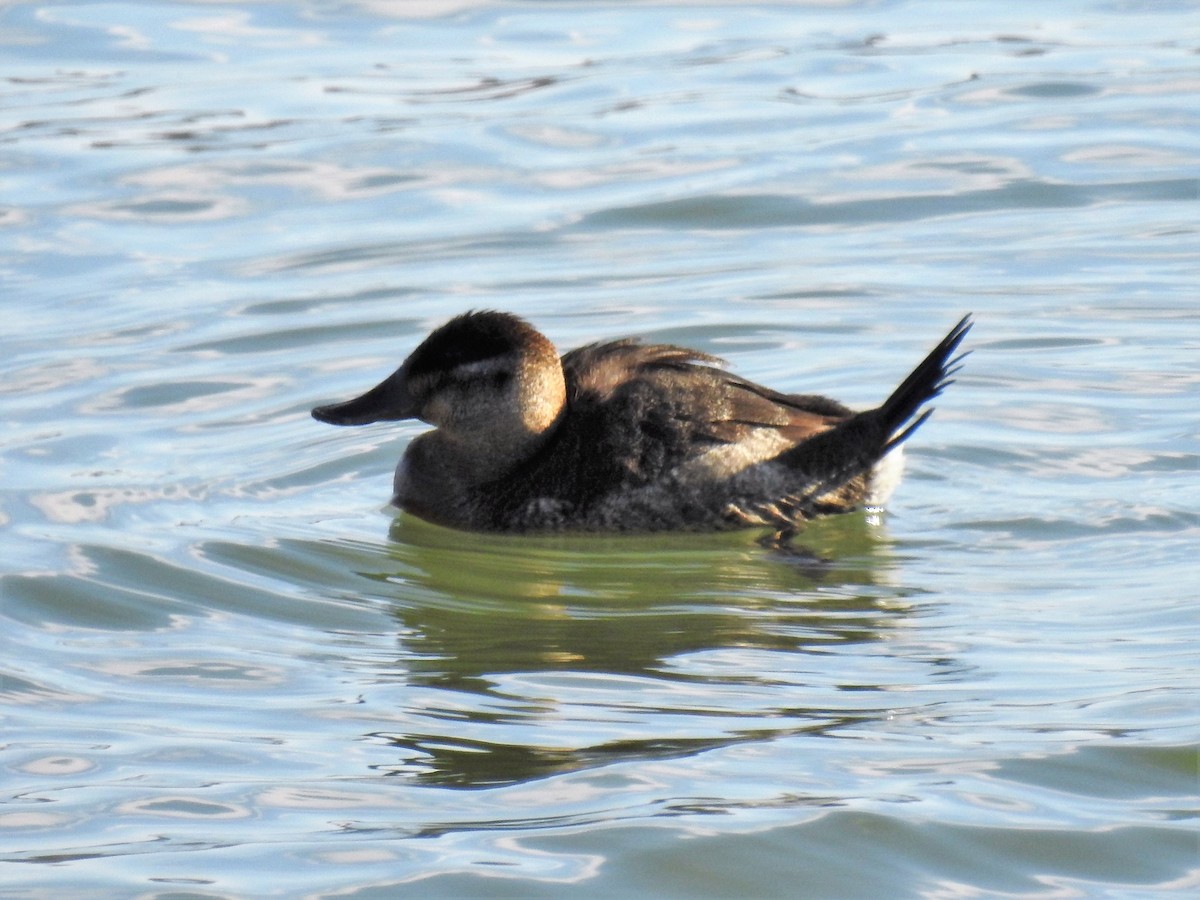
781,543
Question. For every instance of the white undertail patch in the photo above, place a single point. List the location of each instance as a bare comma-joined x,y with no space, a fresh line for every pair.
885,478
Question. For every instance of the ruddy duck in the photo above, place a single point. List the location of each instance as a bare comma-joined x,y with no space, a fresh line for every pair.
625,436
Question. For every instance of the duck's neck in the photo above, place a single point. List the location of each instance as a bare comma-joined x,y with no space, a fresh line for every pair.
478,459
437,477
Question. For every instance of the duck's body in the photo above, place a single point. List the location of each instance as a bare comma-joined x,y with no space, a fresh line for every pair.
624,436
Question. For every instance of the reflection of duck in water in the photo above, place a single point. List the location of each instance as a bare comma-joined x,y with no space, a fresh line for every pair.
668,644
623,436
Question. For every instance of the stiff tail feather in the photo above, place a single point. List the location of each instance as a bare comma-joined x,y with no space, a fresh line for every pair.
853,446
926,381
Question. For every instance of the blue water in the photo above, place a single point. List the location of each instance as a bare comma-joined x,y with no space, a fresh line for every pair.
230,670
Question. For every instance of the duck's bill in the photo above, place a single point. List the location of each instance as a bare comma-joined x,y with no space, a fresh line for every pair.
388,401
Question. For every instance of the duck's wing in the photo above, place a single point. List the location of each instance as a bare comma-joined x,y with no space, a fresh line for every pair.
641,410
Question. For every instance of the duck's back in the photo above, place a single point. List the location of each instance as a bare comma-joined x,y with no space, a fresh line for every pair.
657,437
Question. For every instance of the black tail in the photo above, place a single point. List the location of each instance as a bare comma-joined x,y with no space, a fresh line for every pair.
924,383
853,446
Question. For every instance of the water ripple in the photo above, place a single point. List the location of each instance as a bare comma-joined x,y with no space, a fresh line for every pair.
229,669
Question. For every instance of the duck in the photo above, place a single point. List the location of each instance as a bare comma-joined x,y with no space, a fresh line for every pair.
626,436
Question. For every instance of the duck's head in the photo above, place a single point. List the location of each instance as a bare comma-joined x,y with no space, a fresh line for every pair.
482,378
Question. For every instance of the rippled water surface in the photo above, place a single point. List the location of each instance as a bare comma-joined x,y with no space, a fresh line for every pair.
230,670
